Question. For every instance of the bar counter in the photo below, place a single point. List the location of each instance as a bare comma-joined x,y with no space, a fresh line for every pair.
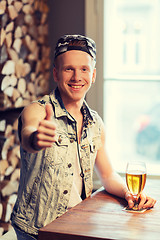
102,217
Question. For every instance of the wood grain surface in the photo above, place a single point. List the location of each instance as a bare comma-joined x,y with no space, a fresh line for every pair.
102,217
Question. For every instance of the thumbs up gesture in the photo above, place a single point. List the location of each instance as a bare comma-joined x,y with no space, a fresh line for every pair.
45,134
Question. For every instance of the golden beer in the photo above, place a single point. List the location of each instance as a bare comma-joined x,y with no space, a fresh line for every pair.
136,181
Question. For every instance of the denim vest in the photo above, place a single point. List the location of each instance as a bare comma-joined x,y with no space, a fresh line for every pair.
47,176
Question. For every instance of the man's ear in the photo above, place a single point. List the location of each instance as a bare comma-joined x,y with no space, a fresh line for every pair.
55,74
94,75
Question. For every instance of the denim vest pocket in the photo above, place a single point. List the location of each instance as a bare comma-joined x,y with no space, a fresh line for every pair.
58,150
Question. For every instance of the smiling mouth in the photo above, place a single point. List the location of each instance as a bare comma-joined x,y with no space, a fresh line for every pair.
75,86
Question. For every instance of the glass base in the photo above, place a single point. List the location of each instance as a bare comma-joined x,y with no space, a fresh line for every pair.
135,209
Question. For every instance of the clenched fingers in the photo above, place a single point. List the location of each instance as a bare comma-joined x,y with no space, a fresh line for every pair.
47,128
146,201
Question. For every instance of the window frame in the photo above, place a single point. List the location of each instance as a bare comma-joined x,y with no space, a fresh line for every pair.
94,19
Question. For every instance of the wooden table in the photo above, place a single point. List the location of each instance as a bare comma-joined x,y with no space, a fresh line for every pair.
101,217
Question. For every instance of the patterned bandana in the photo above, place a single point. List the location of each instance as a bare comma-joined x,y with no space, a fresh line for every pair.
68,42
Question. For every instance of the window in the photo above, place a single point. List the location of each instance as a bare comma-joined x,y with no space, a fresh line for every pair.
127,35
132,82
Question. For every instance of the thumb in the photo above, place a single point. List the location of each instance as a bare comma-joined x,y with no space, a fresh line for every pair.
49,111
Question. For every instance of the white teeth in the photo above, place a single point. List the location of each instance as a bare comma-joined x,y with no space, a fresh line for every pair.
76,86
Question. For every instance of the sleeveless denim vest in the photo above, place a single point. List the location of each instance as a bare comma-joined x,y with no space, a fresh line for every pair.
47,176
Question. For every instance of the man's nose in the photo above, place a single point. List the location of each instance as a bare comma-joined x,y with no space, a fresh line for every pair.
76,75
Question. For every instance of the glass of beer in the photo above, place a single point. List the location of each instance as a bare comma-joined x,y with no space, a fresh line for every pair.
136,179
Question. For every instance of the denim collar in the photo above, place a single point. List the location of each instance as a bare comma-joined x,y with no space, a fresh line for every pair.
61,111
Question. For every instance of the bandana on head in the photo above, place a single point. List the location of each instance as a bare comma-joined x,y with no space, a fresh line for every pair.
66,43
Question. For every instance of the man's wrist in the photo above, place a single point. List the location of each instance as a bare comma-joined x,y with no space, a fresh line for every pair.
125,192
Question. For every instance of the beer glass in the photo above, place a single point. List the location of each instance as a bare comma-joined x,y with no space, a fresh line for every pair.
136,179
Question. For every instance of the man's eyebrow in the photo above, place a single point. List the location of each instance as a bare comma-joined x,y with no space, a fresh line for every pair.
73,66
68,65
85,65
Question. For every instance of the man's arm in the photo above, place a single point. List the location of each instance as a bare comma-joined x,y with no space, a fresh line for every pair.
38,131
113,182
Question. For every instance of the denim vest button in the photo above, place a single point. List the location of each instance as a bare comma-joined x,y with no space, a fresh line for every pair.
59,139
65,192
69,165
82,175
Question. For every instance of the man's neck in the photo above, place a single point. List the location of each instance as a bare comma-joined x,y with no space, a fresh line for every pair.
74,108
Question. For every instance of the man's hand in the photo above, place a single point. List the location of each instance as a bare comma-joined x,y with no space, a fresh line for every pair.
46,131
145,201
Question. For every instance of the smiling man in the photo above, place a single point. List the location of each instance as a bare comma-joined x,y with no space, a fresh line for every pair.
74,74
61,141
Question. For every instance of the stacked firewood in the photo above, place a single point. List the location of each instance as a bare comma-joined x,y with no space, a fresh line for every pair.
24,52
9,165
24,77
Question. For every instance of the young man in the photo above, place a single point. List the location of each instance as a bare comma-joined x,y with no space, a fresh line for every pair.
61,141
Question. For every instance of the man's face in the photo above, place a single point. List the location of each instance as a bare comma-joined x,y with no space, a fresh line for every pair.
74,74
